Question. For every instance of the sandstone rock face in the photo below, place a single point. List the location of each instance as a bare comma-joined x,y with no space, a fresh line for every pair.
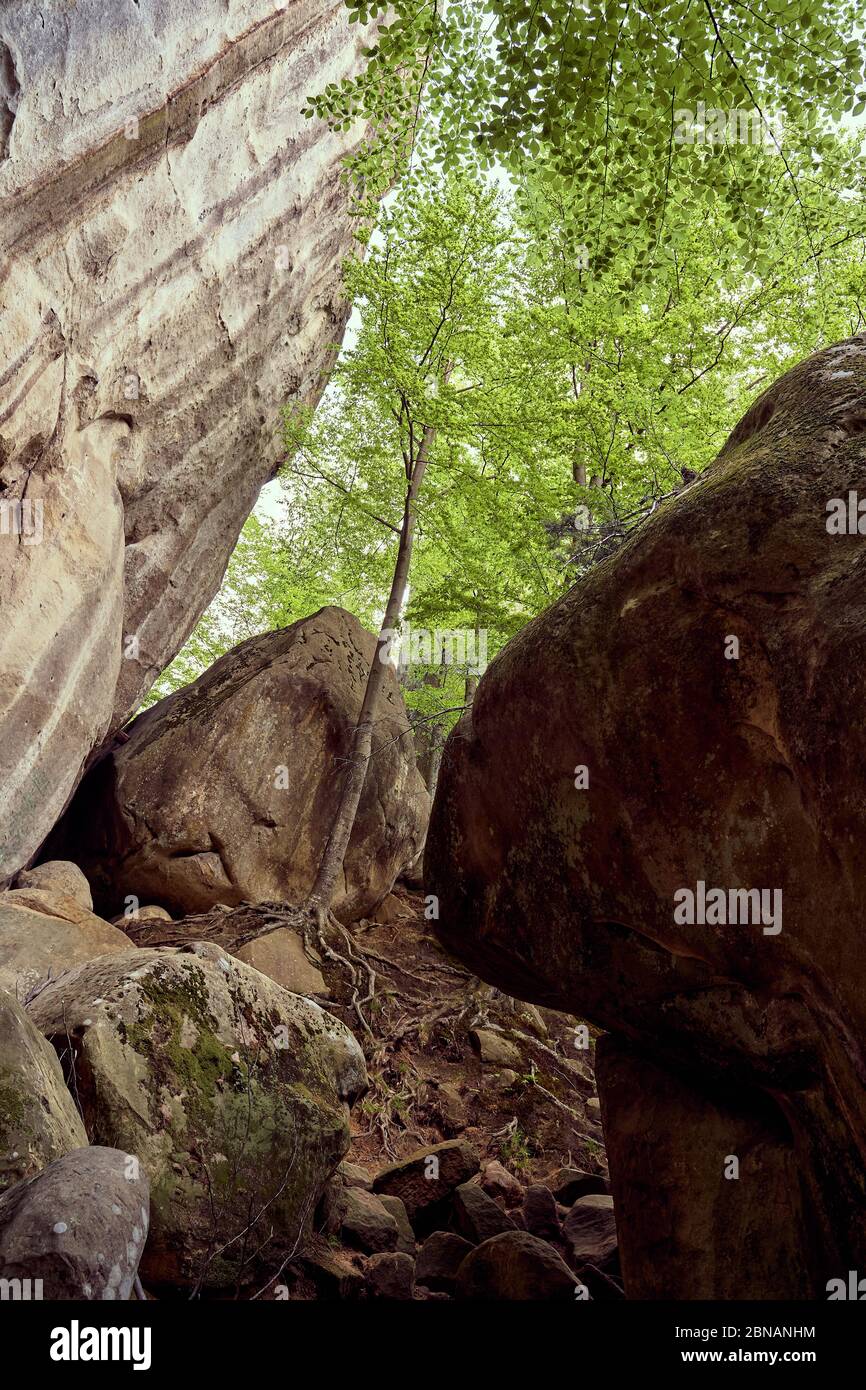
172,232
79,1226
233,1093
225,790
624,747
38,1118
37,943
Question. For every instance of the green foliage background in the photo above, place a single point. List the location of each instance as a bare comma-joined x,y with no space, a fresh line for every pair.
580,306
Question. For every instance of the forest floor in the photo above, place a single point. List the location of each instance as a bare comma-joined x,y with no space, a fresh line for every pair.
448,1055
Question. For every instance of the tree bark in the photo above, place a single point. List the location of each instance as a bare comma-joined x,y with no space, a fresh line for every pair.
334,853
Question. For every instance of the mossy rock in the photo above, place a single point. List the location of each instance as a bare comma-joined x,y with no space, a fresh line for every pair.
234,1093
38,1119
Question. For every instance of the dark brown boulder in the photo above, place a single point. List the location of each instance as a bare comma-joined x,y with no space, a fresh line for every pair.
225,790
366,1223
590,1231
476,1216
426,1180
678,1198
567,1184
516,1267
539,1212
688,719
390,1275
439,1259
396,1207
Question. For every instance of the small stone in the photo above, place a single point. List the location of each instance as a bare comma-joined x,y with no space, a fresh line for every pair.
391,909
390,1275
539,1211
567,1184
476,1216
439,1259
150,913
354,1175
494,1049
451,1109
406,1243
590,1230
499,1183
426,1179
366,1223
515,1267
333,1275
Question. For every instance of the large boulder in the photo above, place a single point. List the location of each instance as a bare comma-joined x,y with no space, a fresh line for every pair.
76,1231
272,723
38,1118
172,230
685,724
233,1093
42,935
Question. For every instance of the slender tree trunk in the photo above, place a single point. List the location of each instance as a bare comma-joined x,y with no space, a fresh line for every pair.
334,854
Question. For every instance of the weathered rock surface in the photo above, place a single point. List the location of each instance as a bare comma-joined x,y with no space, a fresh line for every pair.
439,1259
426,1179
732,765
567,1184
225,790
234,1094
495,1049
79,1226
498,1182
280,955
172,232
681,1205
515,1267
58,876
406,1243
476,1216
37,944
38,1118
539,1212
390,1275
590,1230
365,1223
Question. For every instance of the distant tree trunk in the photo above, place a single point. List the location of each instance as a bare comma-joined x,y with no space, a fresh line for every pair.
322,892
